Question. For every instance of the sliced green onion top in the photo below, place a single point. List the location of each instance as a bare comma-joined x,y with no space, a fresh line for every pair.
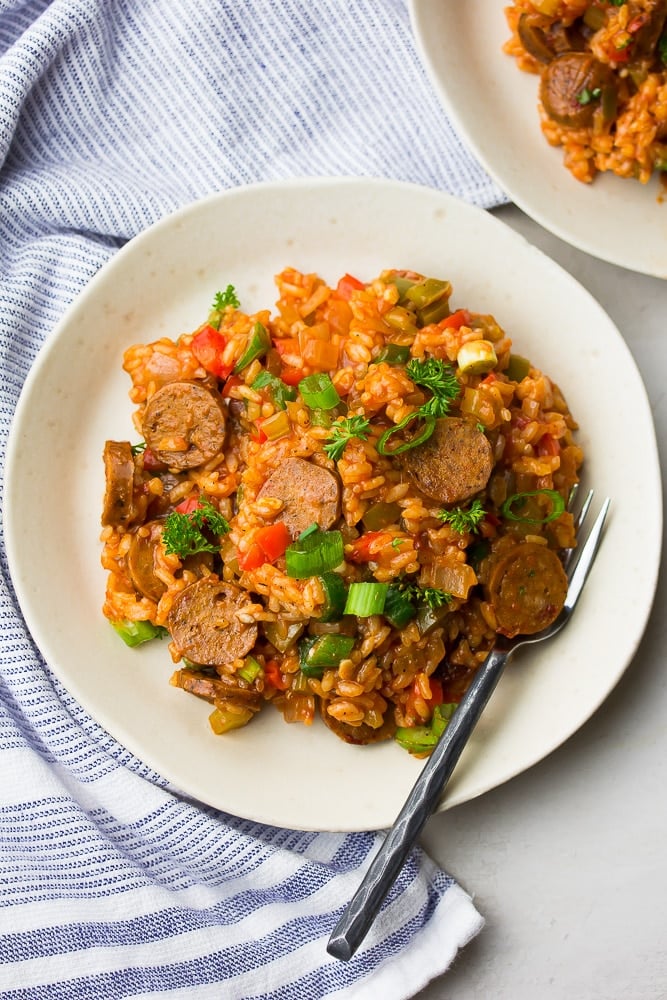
315,554
366,599
335,597
134,633
318,392
557,506
393,354
419,438
310,530
399,608
259,344
316,654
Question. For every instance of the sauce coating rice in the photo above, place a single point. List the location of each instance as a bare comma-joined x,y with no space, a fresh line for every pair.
336,505
603,88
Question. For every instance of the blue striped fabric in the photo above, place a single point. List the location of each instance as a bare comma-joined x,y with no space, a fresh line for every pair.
114,113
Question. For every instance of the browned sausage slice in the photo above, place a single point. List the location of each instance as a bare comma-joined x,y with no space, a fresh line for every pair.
212,688
527,589
204,625
184,424
309,494
570,88
141,561
360,735
119,508
454,464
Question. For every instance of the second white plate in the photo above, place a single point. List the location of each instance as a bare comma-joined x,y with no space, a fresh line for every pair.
493,105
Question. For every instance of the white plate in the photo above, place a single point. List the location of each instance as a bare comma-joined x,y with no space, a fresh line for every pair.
162,283
493,105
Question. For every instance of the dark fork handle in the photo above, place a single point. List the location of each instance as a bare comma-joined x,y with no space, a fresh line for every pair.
362,909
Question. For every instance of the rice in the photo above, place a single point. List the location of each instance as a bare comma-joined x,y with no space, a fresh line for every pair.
393,534
620,124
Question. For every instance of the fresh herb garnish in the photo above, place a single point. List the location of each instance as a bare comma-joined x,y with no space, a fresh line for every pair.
464,520
226,298
137,449
344,430
586,96
183,536
431,596
440,378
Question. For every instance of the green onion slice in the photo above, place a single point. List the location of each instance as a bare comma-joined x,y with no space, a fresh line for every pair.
419,438
557,506
366,599
315,554
316,654
134,633
318,392
259,344
335,597
393,354
399,608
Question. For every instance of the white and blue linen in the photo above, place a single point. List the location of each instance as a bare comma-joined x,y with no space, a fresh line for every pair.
114,113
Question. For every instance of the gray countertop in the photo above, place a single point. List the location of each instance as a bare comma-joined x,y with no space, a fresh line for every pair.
568,861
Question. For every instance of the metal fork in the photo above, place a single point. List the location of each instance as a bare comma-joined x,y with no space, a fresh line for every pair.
360,913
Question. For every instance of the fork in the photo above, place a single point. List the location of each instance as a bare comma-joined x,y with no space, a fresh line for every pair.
361,911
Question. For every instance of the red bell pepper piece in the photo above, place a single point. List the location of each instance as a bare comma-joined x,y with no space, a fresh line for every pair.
268,545
360,551
208,346
347,285
273,675
188,505
457,319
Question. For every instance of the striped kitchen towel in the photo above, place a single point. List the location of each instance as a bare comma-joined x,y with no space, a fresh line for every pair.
114,113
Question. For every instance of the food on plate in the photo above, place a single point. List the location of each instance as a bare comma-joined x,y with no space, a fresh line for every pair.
603,86
335,506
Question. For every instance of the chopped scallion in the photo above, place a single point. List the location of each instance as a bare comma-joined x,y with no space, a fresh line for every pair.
315,554
422,739
557,506
366,599
419,438
318,392
335,597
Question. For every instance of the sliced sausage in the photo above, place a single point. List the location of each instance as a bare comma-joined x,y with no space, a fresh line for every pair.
309,494
204,625
527,589
141,561
454,464
360,735
218,688
119,506
571,86
184,424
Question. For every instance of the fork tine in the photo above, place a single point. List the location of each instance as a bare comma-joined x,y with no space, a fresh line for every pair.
586,557
578,521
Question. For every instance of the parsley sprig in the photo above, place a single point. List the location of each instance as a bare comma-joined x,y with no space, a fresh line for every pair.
441,379
431,596
463,520
183,534
226,298
345,430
